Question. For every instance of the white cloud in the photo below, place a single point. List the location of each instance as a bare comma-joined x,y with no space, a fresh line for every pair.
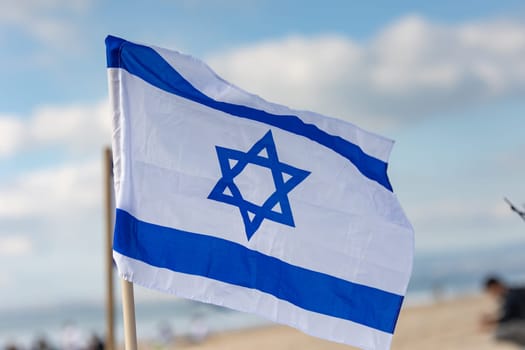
51,223
412,69
14,246
76,128
11,131
49,21
54,193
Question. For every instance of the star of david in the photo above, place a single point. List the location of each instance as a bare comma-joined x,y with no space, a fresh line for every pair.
285,177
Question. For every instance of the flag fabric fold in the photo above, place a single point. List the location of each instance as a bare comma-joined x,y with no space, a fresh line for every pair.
226,198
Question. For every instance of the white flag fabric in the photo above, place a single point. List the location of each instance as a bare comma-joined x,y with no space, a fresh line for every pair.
226,198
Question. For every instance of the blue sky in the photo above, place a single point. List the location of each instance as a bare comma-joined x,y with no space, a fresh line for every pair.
445,79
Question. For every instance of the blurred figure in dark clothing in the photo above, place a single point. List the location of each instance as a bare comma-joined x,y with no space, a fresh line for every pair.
509,323
95,343
41,344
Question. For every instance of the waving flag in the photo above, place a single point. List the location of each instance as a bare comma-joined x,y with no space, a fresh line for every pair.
226,198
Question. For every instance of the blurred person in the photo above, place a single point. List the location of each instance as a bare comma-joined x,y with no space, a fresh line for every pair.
11,347
509,323
41,344
95,343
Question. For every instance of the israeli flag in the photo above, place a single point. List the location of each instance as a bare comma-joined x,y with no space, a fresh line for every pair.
226,198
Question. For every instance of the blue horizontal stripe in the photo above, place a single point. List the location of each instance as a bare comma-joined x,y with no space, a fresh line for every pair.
147,64
232,263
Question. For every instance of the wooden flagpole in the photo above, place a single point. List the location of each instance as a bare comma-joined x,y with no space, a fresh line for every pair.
110,307
128,310
128,302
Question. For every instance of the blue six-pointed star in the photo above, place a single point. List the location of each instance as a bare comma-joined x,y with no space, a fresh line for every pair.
226,190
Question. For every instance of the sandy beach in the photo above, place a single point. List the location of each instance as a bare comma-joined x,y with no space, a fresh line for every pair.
451,324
